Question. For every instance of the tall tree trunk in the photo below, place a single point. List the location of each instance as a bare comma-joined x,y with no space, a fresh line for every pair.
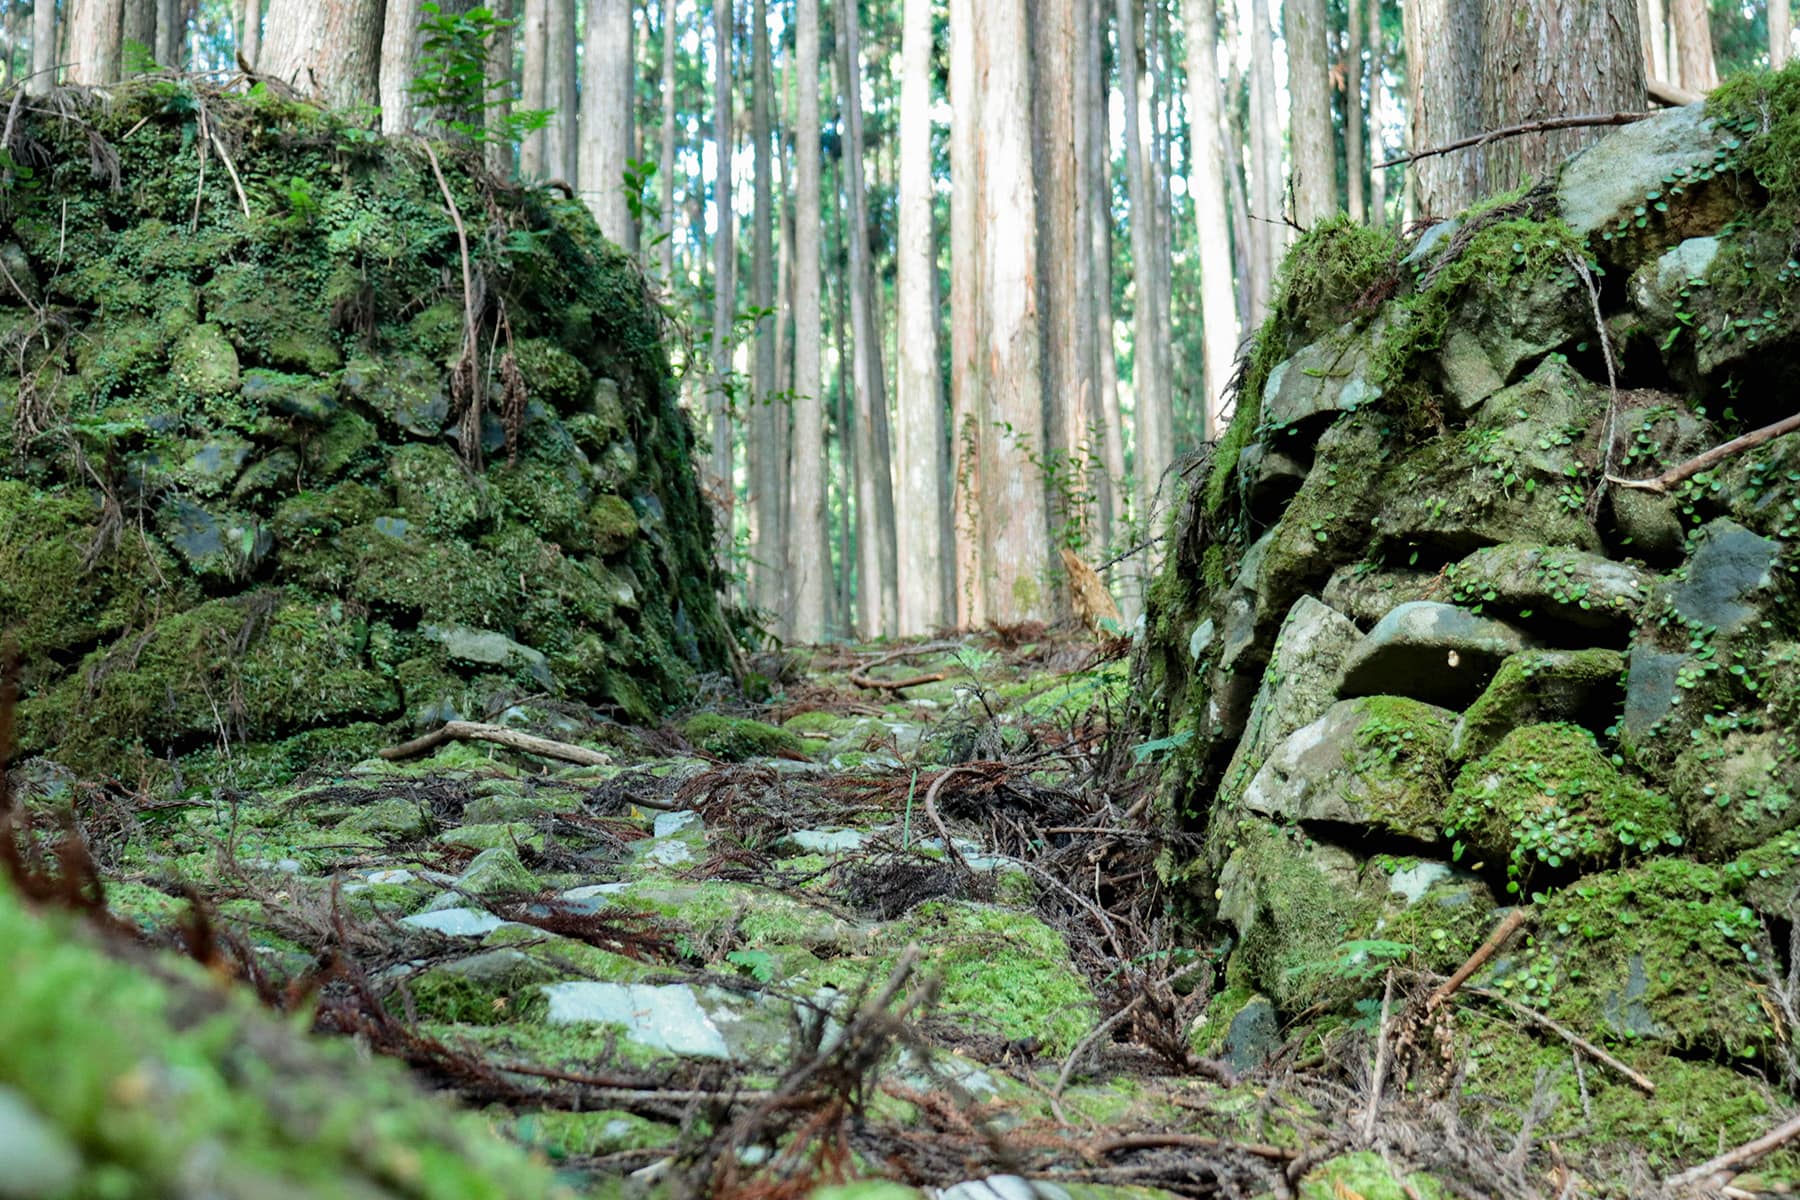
921,430
500,80
607,98
765,463
1150,394
1545,58
809,551
1091,275
1060,302
43,48
1377,116
724,264
1267,229
561,153
330,49
400,45
534,80
1309,122
138,28
1656,35
1013,495
94,31
877,553
1443,63
1693,31
1218,311
1781,34
969,425
666,168
1354,162
171,25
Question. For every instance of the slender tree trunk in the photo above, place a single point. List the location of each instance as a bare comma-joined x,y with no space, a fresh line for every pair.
877,553
43,48
1267,230
1545,58
1377,117
844,617
500,78
250,27
969,425
666,168
560,93
1218,311
1443,63
1781,34
534,95
138,28
1656,34
330,49
95,27
1105,414
1060,302
607,98
1087,428
809,552
1150,396
1354,163
724,263
1309,91
1013,500
765,465
1693,30
921,430
400,45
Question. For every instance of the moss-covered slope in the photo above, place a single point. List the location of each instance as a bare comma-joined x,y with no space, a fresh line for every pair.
243,494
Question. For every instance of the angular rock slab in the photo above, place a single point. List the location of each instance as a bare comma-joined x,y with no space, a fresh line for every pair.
1437,653
1378,764
1552,583
1606,183
1538,686
1728,580
1331,375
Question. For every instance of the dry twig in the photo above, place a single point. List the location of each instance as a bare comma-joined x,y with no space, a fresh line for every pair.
1701,462
1707,1175
1493,135
1485,951
473,731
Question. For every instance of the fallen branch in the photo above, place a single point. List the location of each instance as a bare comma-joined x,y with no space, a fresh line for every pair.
1381,1061
1637,1078
1664,92
870,683
1707,1174
1485,951
1549,124
1693,466
471,731
931,794
1081,1049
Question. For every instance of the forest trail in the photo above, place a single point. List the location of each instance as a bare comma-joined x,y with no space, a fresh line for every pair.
741,959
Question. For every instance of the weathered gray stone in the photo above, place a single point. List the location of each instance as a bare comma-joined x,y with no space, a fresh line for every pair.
455,922
1434,652
1649,524
1556,586
1655,288
664,1017
1469,374
1253,1035
1605,184
1539,686
1366,594
403,388
496,872
1330,375
1737,788
1651,688
1298,685
1727,579
1375,763
484,647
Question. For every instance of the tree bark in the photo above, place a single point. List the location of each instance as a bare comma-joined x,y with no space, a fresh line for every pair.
138,27
969,423
400,45
607,95
809,549
1150,395
1354,163
1218,310
43,48
1693,31
1267,230
170,26
1377,116
724,267
877,552
1059,299
500,79
95,28
666,168
1656,34
765,450
534,96
921,429
1093,276
1549,58
329,49
560,93
1781,34
1443,62
1309,121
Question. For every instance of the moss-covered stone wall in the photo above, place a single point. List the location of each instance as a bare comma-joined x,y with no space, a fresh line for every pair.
242,497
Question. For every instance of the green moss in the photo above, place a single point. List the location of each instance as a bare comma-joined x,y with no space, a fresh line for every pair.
1368,1175
160,1084
582,1134
1398,761
1331,271
738,738
1531,685
1546,795
612,525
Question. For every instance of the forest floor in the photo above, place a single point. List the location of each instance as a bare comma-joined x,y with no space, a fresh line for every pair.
902,921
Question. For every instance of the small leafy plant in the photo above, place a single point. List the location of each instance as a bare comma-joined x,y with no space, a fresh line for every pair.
453,85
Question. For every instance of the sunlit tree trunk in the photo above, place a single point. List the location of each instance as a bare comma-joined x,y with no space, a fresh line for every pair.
250,28
1267,230
43,48
330,49
968,402
1443,62
921,432
1693,33
1060,303
1781,33
95,27
1150,394
560,93
500,77
1354,162
877,552
765,450
605,127
1309,121
534,31
1218,311
724,265
1091,276
809,550
1377,116
400,42
666,168
138,28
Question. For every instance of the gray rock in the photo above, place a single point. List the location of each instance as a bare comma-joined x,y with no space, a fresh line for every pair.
1538,687
829,841
215,462
1605,184
1330,375
1253,1035
302,396
1374,764
1556,585
39,1159
1434,652
1366,594
220,545
1727,578
1469,374
1297,687
455,922
668,824
484,647
496,872
405,389
1649,524
666,1017
1651,688
1655,288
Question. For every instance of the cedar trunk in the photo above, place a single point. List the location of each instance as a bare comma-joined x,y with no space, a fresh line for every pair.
809,550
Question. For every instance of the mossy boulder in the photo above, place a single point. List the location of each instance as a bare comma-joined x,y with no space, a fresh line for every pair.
248,486
1534,687
738,738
